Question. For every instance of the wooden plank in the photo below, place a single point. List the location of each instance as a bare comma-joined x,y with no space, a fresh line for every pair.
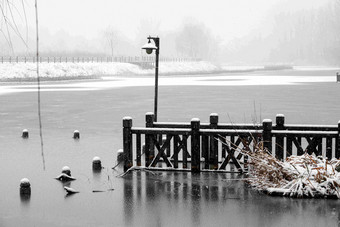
207,125
147,150
195,146
184,152
290,127
337,143
279,147
224,146
300,127
138,150
267,134
289,150
297,143
329,145
304,133
127,143
168,148
312,143
205,151
337,147
213,151
157,131
319,146
161,152
226,160
176,151
229,132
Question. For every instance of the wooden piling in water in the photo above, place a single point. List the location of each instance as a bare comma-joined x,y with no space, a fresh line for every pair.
205,151
127,142
195,146
213,143
267,134
25,134
149,144
279,139
337,143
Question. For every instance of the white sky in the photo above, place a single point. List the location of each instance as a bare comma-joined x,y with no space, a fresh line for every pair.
226,18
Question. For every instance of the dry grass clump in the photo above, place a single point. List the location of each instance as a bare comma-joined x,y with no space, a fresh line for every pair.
299,176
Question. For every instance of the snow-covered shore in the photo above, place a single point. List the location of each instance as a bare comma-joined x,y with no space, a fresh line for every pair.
60,71
65,71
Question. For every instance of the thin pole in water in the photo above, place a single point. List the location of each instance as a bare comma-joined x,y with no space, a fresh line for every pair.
38,80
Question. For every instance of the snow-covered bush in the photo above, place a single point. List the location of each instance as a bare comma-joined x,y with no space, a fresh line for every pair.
299,176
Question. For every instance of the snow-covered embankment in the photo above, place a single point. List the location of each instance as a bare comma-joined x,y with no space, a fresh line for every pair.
60,71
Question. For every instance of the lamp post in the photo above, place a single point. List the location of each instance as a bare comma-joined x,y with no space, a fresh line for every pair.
149,47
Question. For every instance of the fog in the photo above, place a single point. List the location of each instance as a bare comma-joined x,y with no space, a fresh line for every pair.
235,32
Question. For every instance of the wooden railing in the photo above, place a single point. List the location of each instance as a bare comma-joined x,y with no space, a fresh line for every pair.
212,146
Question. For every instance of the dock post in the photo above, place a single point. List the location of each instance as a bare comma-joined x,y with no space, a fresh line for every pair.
337,143
279,140
149,145
195,146
267,134
338,77
213,143
127,142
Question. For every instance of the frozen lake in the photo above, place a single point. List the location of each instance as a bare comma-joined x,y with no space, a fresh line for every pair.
96,109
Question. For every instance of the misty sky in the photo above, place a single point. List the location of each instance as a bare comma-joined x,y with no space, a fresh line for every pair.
227,19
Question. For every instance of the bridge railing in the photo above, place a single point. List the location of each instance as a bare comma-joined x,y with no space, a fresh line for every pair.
214,146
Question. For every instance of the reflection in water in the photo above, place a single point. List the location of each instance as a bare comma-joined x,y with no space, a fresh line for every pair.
96,171
25,199
67,184
156,195
196,193
172,198
128,203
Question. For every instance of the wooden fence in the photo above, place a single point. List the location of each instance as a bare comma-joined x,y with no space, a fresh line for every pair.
212,146
124,59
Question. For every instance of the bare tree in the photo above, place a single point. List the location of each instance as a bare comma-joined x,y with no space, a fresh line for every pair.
10,12
111,36
196,41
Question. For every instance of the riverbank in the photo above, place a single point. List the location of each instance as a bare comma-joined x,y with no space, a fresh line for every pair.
26,72
66,71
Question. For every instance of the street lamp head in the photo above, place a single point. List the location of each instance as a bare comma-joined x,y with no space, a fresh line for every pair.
149,47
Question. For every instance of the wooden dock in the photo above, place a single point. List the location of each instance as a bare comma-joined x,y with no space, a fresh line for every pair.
212,146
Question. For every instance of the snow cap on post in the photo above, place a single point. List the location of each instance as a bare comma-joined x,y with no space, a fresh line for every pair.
149,119
76,134
267,124
195,123
96,163
280,120
120,155
213,118
25,187
127,122
66,170
24,134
